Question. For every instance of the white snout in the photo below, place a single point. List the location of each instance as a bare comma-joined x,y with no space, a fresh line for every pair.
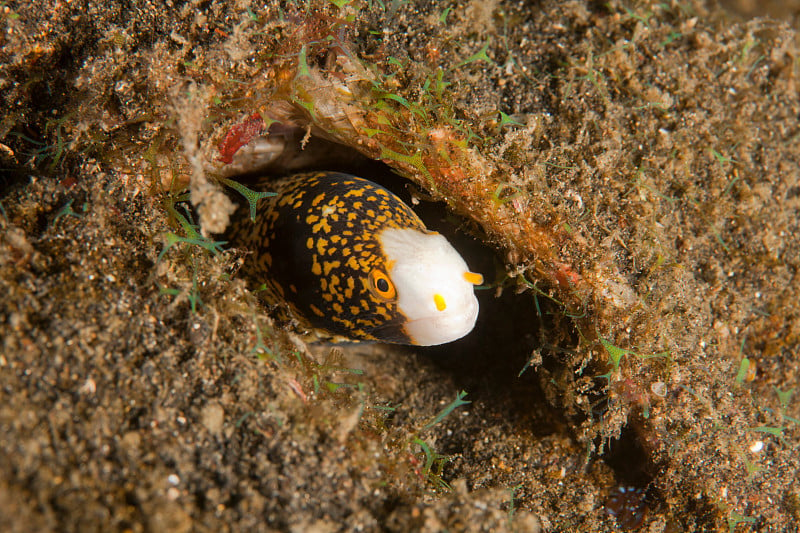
433,286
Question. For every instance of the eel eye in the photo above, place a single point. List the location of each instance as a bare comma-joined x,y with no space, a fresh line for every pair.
381,285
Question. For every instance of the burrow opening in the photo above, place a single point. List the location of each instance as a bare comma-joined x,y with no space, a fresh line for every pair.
517,337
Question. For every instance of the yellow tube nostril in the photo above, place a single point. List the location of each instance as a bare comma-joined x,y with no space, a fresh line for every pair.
438,299
473,277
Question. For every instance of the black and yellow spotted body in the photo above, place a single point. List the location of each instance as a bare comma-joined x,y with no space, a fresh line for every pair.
314,246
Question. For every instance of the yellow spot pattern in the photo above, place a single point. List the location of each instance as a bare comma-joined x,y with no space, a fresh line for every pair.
318,237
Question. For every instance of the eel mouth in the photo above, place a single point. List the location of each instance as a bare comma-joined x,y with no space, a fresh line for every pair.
442,328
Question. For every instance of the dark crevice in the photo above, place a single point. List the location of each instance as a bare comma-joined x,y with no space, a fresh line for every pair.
493,362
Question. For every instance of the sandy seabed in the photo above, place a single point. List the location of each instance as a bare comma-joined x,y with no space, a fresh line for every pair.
625,174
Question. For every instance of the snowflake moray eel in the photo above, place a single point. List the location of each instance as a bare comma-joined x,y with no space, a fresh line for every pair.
351,260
